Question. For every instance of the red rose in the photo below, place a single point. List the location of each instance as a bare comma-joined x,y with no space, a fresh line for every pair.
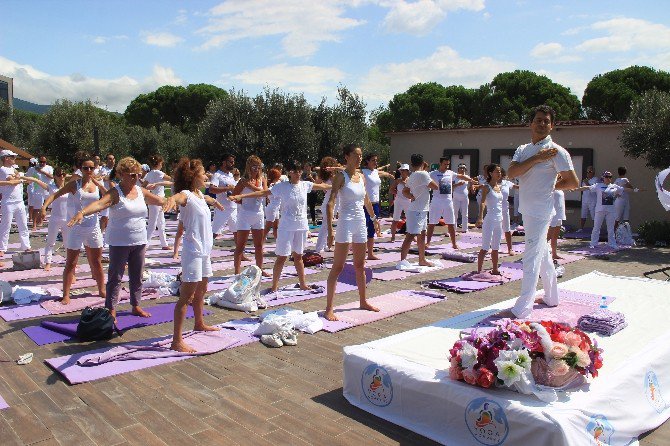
486,378
470,376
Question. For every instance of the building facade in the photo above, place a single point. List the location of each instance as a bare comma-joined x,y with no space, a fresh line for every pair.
590,143
7,90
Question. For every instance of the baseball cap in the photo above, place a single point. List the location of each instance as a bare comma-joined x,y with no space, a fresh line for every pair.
404,167
4,153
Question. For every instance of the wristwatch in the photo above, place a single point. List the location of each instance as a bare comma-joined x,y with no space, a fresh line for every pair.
373,218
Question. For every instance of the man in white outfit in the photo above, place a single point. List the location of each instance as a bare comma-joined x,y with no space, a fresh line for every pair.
221,184
536,165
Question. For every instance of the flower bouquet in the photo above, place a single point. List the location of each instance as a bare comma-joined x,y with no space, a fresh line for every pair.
529,357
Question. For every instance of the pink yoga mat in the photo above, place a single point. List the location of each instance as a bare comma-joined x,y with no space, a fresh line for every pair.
350,315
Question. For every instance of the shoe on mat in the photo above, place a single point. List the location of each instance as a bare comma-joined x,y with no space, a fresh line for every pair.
288,337
25,359
272,340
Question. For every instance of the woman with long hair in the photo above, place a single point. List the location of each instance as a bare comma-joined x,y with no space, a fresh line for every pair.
492,200
156,180
349,184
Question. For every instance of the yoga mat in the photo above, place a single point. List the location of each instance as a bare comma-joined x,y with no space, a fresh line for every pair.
3,403
391,273
208,342
598,250
514,271
12,276
283,300
391,304
56,331
583,234
20,312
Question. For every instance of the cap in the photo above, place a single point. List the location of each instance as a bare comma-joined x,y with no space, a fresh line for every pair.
7,153
404,167
607,173
146,168
33,160
463,166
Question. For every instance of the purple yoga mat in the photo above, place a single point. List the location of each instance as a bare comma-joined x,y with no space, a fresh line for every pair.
391,273
57,331
19,312
3,403
213,341
389,305
514,271
339,288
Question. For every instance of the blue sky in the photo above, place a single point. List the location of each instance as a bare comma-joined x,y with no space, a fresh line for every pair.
112,51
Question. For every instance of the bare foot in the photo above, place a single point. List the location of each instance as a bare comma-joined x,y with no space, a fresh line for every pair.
372,257
47,267
425,263
181,346
138,311
65,300
266,274
330,316
205,328
367,306
175,256
306,287
455,246
511,252
166,248
392,239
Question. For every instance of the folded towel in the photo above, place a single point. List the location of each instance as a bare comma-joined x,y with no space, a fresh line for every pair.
603,321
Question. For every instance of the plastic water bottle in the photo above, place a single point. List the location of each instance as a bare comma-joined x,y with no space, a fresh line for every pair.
603,302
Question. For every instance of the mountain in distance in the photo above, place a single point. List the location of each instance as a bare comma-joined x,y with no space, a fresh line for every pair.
20,104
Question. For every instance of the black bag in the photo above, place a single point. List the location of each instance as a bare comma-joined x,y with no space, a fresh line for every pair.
96,324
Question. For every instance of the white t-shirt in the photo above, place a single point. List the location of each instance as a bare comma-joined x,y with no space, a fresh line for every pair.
605,195
537,184
155,176
10,194
219,179
460,190
444,182
418,185
59,205
589,196
559,204
292,200
372,184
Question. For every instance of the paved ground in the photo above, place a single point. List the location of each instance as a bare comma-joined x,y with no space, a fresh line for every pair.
250,395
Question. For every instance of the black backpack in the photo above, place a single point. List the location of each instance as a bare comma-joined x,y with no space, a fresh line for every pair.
96,324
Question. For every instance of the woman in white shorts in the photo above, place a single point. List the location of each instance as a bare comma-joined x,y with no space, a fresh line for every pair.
401,202
155,180
325,175
83,191
272,208
58,217
196,266
250,216
349,185
291,197
492,200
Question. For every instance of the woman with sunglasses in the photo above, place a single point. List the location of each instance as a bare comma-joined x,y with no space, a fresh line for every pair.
126,233
58,217
82,192
250,215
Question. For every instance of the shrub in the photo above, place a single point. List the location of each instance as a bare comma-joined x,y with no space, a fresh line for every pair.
654,231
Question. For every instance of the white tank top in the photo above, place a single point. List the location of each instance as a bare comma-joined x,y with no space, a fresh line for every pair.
372,184
254,205
128,220
352,199
494,201
196,218
79,200
59,205
399,195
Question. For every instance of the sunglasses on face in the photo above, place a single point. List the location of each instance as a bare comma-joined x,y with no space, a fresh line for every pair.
87,168
134,175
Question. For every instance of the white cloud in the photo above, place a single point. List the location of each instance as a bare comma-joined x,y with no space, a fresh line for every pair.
100,40
420,17
627,34
553,52
39,87
166,40
182,17
297,78
445,66
304,24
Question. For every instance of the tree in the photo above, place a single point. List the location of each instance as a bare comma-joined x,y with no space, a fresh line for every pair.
609,96
647,133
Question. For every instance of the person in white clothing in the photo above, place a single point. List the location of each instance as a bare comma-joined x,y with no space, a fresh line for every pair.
588,197
58,217
155,181
190,178
556,222
291,197
442,204
13,208
104,172
506,187
325,175
272,206
417,190
373,181
126,234
536,165
222,184
349,185
492,224
462,198
82,191
401,203
44,173
622,202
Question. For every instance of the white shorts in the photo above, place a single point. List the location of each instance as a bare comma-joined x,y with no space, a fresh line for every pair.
249,220
351,231
506,227
78,236
399,206
271,213
588,207
194,268
441,209
104,213
555,221
291,241
416,222
491,233
35,201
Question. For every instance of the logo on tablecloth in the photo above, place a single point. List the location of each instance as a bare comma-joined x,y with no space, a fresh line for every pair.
376,384
653,392
600,429
487,421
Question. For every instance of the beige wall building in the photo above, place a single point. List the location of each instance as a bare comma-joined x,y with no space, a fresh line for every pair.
589,143
7,90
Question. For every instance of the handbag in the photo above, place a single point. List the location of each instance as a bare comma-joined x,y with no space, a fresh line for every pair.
312,259
96,324
26,260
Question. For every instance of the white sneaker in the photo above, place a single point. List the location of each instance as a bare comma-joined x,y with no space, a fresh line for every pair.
272,340
288,337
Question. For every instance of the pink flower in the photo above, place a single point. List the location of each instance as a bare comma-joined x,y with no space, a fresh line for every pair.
453,362
558,350
583,359
558,367
572,339
486,377
455,373
470,376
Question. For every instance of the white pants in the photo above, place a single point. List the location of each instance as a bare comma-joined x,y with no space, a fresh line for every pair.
491,233
622,206
441,208
156,219
461,205
14,211
588,207
536,261
610,218
400,206
54,227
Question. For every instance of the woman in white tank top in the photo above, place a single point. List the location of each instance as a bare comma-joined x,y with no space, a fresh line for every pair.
83,191
126,232
400,202
492,200
349,185
198,240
